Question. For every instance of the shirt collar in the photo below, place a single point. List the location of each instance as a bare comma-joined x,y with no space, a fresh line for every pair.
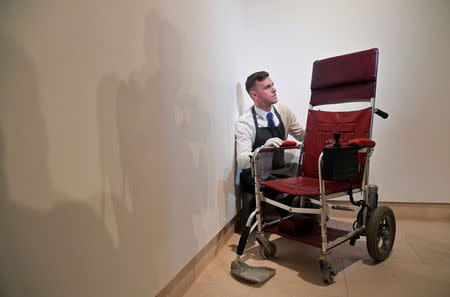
263,113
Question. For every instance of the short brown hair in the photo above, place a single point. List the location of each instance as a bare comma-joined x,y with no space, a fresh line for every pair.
253,78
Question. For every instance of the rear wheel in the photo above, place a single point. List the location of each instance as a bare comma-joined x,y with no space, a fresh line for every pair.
380,233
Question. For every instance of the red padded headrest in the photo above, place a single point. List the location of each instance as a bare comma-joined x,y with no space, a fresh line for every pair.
346,78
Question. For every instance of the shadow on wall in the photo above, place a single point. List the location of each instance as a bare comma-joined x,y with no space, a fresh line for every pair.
154,158
234,179
61,249
228,191
240,99
145,229
155,141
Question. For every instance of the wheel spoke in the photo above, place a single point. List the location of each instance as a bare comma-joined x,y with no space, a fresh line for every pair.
379,242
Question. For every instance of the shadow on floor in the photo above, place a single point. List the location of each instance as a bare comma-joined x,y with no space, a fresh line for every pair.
303,258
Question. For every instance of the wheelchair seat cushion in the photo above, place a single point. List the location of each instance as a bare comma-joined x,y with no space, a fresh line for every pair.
307,186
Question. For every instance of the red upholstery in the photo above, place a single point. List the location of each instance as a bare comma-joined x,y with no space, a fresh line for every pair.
306,186
289,143
362,142
308,233
346,78
319,132
339,79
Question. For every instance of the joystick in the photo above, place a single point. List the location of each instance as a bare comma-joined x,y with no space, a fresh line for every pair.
336,136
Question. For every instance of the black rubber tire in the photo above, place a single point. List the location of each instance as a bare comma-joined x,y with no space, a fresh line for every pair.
380,233
327,273
267,254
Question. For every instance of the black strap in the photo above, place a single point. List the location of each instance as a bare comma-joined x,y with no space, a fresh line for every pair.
350,191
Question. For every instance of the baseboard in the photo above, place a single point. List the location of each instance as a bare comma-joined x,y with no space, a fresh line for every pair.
402,211
184,279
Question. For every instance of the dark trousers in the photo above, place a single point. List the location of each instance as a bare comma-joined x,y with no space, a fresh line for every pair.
247,189
248,184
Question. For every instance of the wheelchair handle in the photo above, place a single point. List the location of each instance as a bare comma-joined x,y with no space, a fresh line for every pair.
381,113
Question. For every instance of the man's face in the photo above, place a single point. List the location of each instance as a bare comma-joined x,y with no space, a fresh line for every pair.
264,94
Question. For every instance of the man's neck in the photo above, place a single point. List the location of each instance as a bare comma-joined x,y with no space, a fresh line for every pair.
263,112
265,108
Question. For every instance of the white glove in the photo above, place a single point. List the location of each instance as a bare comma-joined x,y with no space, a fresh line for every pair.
274,142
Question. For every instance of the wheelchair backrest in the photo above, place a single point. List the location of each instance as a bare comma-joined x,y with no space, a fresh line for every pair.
320,127
341,79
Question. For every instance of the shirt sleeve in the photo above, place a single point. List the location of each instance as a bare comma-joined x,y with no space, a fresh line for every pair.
244,143
291,124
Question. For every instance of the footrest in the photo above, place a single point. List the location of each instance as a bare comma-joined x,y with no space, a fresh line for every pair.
256,274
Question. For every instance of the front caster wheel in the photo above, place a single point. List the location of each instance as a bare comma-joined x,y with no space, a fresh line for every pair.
327,268
327,273
267,249
380,233
268,252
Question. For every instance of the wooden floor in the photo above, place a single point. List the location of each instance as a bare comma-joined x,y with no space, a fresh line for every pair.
419,266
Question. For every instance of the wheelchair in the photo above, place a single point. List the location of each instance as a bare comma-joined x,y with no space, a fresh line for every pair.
335,162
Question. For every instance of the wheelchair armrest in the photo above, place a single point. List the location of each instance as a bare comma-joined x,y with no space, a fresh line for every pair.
286,145
289,143
267,167
361,142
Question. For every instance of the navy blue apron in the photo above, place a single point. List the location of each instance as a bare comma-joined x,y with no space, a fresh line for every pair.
247,183
262,135
265,133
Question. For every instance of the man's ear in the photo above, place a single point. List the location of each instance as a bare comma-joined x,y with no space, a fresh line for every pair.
253,95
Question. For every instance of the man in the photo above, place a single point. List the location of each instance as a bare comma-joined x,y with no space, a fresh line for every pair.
264,124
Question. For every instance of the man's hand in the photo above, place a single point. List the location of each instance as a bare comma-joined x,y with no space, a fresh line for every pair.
274,142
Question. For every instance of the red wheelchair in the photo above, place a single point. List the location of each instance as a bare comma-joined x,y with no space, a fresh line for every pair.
334,160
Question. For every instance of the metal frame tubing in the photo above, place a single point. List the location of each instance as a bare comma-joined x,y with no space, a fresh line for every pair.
324,206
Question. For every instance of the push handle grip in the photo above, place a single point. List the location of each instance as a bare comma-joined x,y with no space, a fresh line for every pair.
381,113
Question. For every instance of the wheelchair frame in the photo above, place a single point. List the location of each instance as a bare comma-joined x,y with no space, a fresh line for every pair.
324,206
325,255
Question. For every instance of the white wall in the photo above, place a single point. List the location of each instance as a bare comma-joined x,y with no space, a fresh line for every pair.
116,141
411,162
117,121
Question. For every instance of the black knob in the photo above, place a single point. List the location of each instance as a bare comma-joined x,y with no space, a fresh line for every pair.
336,136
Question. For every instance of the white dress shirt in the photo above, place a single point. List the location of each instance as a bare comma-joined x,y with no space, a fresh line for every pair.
246,130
